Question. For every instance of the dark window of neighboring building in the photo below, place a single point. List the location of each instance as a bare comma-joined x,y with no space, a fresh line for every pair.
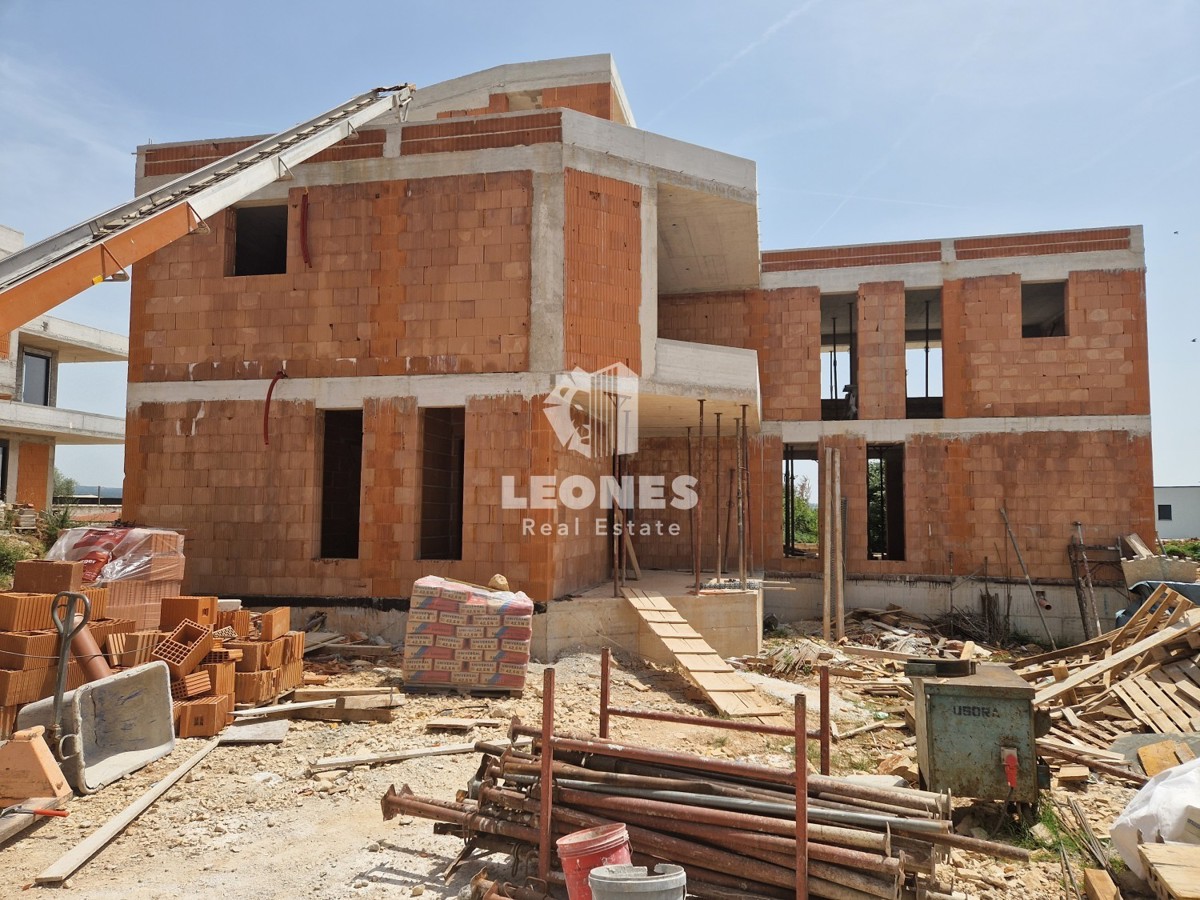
35,379
1044,309
442,459
3,470
341,482
1164,512
259,240
885,501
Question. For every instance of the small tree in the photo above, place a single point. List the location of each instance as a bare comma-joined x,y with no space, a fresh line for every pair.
64,484
804,529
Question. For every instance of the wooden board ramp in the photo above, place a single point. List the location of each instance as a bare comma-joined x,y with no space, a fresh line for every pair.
720,683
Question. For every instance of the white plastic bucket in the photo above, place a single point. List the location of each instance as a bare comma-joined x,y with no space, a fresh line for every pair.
616,882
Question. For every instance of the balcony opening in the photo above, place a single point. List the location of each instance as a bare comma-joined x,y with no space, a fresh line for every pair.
256,240
442,470
1044,309
341,483
885,501
923,353
839,398
801,532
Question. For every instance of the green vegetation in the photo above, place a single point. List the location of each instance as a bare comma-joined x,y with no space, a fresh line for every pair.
64,484
1190,549
804,529
53,521
13,549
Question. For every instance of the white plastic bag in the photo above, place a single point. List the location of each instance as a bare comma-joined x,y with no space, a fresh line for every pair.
1158,812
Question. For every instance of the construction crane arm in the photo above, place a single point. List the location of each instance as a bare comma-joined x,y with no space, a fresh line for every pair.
43,275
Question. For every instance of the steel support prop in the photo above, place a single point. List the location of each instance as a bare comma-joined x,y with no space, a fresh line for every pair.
824,682
700,504
547,787
801,738
605,675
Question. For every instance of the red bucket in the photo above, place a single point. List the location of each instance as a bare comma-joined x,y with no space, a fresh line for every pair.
582,851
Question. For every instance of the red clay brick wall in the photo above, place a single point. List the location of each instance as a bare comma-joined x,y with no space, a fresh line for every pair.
783,326
189,157
881,380
594,99
602,271
844,257
33,474
481,134
1099,368
423,276
954,489
668,457
1084,241
251,511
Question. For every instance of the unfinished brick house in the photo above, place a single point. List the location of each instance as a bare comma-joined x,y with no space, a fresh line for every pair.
423,286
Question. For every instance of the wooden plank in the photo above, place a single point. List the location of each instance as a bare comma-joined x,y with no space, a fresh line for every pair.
654,615
720,681
1073,774
1140,707
451,723
1159,685
1189,621
683,645
875,653
374,759
703,662
349,709
1098,885
968,650
285,708
67,864
675,630
301,695
1158,757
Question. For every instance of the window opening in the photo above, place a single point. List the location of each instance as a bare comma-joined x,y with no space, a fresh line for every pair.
442,469
35,379
259,238
1044,309
839,399
341,483
923,354
801,531
885,502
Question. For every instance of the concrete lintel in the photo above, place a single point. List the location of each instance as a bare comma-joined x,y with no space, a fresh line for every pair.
66,426
894,431
345,393
73,342
1050,267
547,273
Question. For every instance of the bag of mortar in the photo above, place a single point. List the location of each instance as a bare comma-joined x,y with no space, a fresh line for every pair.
1160,811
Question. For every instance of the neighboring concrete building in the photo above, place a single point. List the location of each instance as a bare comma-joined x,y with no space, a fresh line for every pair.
423,286
31,424
1177,512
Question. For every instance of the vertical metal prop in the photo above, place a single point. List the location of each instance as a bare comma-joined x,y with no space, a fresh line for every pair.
745,461
692,511
605,674
801,737
717,504
617,520
1029,581
839,561
546,810
700,502
826,504
741,506
824,739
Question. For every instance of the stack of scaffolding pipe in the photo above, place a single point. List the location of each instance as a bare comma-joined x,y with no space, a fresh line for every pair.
730,824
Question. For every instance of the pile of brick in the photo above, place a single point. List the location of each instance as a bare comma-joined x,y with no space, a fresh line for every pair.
216,659
28,640
140,566
467,637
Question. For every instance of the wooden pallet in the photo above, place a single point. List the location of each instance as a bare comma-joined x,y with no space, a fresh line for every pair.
731,694
1172,870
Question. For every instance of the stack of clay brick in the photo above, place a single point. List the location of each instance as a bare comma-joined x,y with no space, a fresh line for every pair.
29,641
467,637
140,566
216,659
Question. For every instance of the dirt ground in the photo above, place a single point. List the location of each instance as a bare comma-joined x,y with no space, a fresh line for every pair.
250,821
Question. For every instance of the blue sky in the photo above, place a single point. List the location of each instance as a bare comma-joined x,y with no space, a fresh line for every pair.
869,121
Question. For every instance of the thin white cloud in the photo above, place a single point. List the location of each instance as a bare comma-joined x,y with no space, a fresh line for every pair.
771,30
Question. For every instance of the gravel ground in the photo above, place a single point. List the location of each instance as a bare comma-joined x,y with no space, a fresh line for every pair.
251,820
